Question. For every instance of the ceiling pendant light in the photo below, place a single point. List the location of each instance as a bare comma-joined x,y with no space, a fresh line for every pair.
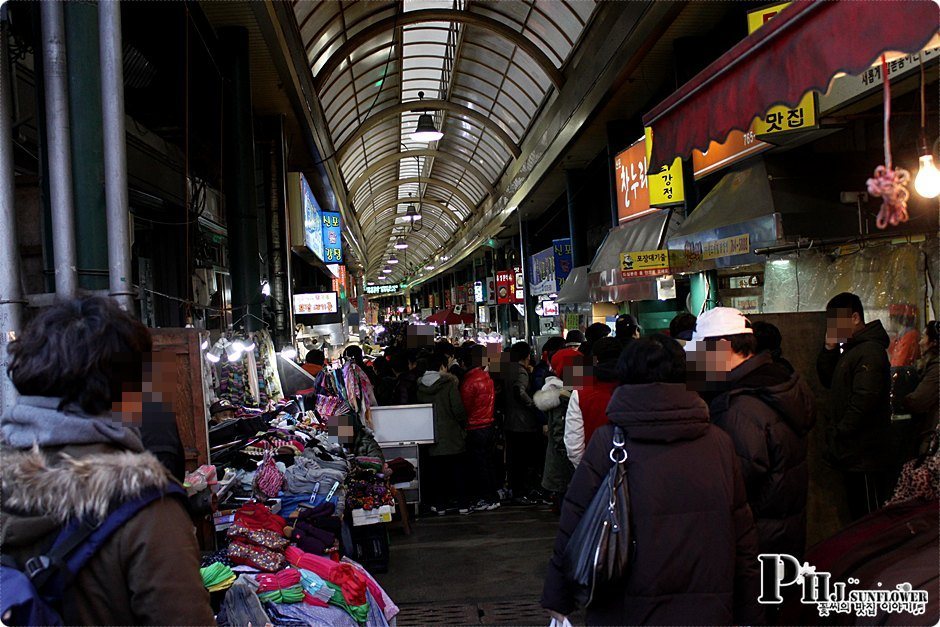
425,131
386,270
393,260
412,213
401,244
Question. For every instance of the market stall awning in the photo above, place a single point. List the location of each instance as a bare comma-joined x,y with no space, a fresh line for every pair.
799,50
575,288
449,316
646,233
756,206
605,280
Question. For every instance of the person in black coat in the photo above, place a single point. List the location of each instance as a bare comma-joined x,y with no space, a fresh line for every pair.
854,366
768,412
695,558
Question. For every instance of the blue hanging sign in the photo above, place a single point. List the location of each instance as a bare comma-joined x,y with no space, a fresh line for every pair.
332,238
562,252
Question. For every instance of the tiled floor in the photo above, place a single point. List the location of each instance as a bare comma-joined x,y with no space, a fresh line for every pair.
483,569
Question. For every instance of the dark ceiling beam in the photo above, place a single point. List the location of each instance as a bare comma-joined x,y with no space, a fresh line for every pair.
411,154
439,15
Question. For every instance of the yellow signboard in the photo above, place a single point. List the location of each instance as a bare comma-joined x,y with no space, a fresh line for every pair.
571,321
780,118
756,19
727,247
666,186
644,263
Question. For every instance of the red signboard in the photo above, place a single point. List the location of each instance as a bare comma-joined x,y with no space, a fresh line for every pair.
506,287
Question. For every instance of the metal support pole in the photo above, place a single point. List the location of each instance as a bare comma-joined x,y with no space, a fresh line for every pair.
115,154
525,278
60,157
11,293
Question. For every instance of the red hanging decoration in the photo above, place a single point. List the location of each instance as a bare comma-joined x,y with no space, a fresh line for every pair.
889,184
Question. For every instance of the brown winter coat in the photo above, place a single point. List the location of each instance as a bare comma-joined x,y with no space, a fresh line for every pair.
695,552
147,573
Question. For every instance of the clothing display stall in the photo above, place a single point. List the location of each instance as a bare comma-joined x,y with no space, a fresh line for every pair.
295,507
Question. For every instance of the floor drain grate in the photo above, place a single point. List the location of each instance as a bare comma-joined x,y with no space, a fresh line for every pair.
421,615
513,613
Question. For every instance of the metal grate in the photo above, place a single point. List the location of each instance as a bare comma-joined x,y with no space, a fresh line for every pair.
420,615
513,613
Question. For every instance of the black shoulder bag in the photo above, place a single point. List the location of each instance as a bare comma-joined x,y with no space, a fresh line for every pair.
598,551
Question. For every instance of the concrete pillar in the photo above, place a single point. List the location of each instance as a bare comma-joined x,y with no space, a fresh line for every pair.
578,215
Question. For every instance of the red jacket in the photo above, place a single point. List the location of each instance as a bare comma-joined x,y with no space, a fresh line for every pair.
478,397
593,399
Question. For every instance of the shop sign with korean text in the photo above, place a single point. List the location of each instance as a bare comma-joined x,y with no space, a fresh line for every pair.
490,290
332,238
644,263
384,289
846,89
667,186
633,192
506,288
572,321
561,250
478,292
317,303
542,272
727,247
313,221
339,282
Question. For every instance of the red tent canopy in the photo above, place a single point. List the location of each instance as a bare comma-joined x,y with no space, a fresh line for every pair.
799,50
447,316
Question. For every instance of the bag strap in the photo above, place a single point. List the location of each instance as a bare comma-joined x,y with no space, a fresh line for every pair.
618,450
80,540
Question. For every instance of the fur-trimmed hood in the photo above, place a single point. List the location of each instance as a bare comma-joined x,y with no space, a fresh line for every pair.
70,485
549,397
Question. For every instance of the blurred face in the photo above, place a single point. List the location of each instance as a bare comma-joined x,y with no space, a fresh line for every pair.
159,380
341,430
841,325
710,362
575,375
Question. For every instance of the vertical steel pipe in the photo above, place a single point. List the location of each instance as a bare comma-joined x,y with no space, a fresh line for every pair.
11,293
115,154
60,157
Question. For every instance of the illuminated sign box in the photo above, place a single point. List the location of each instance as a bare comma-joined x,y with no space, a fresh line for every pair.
315,303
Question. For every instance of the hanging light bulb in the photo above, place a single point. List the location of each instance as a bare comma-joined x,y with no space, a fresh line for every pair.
425,131
239,346
393,260
401,244
412,213
370,283
265,288
927,181
386,270
204,345
250,346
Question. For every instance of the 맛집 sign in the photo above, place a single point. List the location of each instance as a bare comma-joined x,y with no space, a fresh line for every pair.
633,191
316,303
644,263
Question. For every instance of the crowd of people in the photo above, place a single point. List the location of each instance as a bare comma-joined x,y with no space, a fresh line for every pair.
715,421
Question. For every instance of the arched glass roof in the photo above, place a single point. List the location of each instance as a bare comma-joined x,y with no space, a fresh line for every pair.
485,68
